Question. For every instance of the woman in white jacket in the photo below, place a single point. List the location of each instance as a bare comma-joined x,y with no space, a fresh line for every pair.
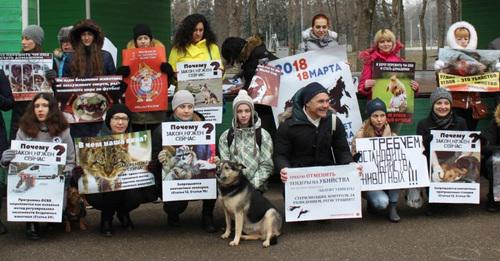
318,36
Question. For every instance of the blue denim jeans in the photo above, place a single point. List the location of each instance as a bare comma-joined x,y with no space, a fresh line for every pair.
380,199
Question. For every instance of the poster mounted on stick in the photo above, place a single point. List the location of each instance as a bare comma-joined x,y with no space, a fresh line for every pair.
87,99
394,162
35,182
204,81
392,86
26,73
147,87
454,167
329,192
114,162
329,68
188,160
264,88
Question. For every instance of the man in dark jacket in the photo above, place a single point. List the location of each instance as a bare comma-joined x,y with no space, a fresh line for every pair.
307,137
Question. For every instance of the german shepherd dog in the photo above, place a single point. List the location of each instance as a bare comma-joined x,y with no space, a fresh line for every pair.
252,213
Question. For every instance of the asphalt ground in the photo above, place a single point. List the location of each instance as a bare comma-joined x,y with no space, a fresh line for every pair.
458,232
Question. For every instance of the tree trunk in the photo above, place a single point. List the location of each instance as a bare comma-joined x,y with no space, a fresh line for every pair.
366,9
235,17
402,29
252,11
395,18
423,39
455,10
291,25
441,20
220,20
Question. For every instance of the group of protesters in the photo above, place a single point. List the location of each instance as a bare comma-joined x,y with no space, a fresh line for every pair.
308,135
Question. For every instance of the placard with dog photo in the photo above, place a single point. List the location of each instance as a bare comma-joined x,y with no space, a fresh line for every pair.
393,162
35,183
264,88
26,73
87,99
114,162
392,85
204,81
188,161
328,67
329,192
455,162
469,70
147,87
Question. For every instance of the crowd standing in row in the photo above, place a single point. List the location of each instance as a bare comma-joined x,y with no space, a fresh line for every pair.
309,133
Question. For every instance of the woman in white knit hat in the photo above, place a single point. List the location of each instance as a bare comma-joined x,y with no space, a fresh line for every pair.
182,110
247,143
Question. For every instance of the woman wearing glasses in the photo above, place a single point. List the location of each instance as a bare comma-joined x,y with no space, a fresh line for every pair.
318,36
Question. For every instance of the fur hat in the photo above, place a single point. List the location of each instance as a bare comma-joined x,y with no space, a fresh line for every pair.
63,35
450,35
312,90
440,93
375,105
116,108
242,98
142,29
35,33
86,25
182,97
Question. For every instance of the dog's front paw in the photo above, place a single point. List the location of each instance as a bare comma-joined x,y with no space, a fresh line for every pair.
225,235
234,243
266,243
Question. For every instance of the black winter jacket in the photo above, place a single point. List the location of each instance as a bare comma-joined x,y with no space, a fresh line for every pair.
6,103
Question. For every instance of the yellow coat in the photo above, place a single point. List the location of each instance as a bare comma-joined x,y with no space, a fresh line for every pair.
194,52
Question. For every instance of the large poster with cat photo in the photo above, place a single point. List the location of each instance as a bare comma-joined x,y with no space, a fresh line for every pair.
328,67
392,86
204,81
26,73
87,99
115,162
147,87
35,183
469,70
455,162
188,160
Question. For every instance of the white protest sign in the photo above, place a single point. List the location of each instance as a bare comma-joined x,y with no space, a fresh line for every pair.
42,152
188,133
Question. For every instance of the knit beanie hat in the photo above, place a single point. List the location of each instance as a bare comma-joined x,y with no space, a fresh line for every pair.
440,93
35,33
142,29
182,97
63,35
312,90
242,98
375,105
116,108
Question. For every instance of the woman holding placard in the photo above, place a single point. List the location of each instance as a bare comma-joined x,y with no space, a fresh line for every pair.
43,121
376,126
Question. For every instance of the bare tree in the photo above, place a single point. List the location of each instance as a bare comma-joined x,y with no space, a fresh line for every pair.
423,39
441,21
220,20
234,6
402,30
252,10
455,10
292,15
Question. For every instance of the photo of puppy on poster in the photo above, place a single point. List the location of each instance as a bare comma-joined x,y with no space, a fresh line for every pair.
188,162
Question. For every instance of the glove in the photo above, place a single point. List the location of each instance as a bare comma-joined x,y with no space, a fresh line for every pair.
167,69
151,167
76,174
356,157
480,137
50,75
429,138
123,71
162,156
123,87
438,65
7,157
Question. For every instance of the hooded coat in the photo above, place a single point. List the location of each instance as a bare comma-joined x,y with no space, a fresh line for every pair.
194,53
244,149
311,42
369,57
6,103
300,144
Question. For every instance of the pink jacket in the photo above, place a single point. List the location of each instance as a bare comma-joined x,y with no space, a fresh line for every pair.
370,55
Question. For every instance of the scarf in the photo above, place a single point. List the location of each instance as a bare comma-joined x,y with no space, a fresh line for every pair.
442,123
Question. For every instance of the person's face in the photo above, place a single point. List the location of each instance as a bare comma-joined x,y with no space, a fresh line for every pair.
317,107
442,108
66,46
243,115
41,107
462,41
184,112
87,38
378,119
119,123
198,32
385,45
143,41
320,28
27,44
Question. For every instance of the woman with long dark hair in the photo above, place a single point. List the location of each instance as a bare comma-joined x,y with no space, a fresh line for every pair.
43,121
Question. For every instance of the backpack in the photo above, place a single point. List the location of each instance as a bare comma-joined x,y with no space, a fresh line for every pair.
258,137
